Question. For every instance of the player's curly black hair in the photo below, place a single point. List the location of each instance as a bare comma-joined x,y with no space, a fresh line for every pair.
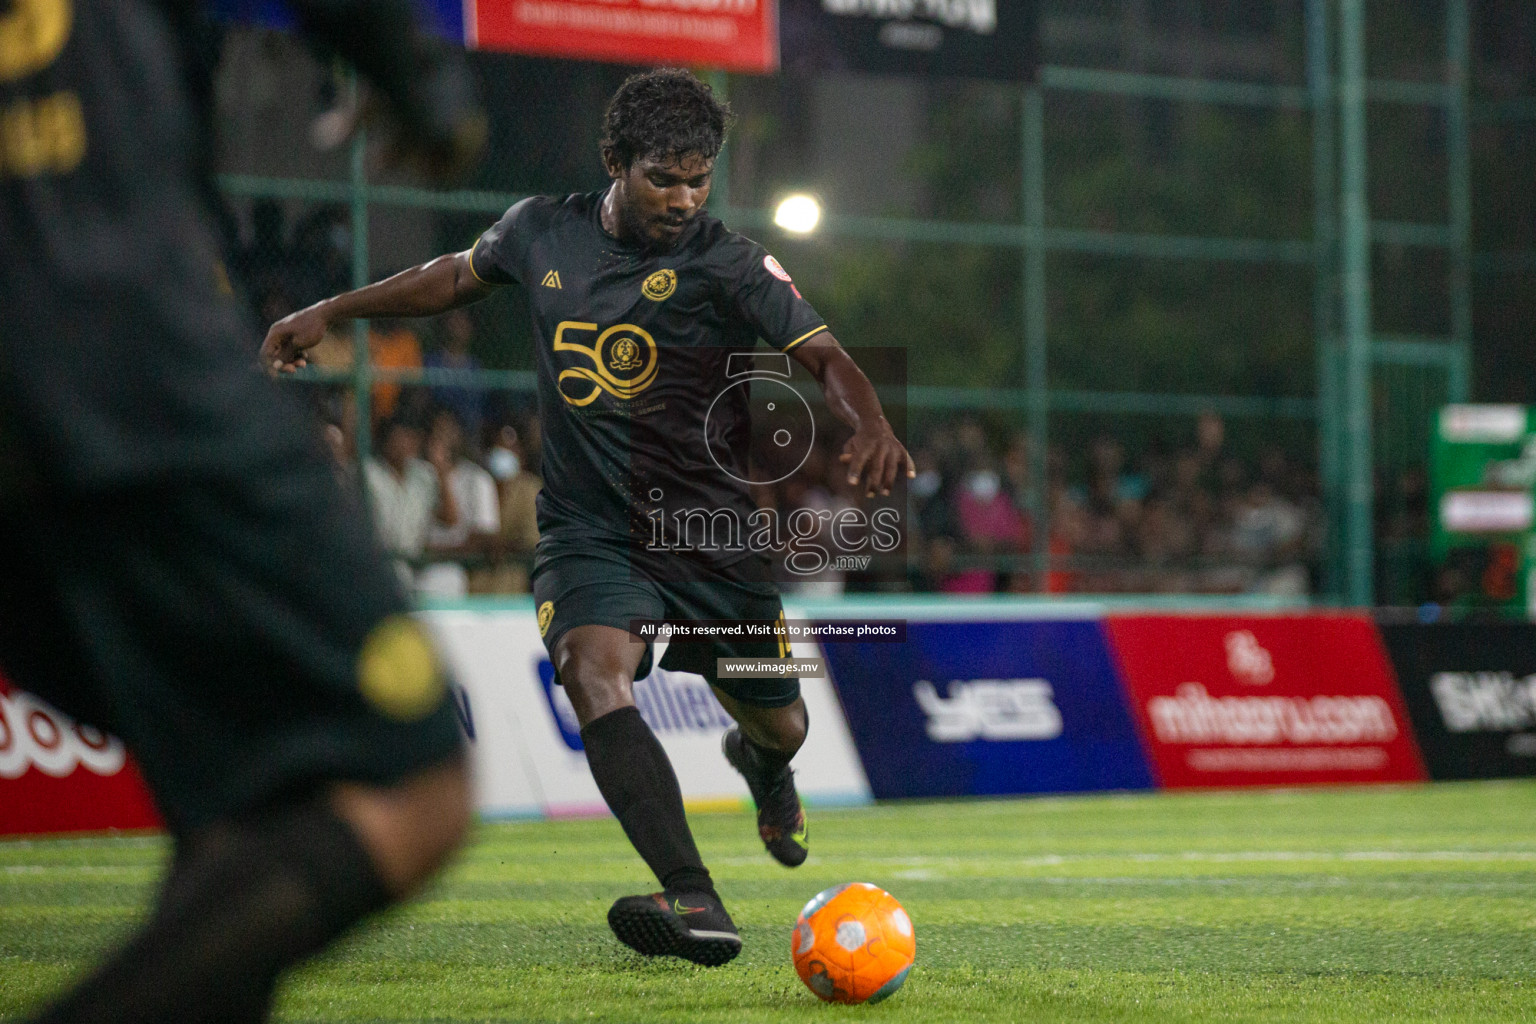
666,113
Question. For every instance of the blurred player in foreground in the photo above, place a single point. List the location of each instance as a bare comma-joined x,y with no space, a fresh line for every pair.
177,563
639,300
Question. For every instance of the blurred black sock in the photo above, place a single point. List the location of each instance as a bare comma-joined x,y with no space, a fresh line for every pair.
636,779
245,901
771,763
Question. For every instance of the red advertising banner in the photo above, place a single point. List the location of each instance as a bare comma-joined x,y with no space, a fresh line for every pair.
738,35
57,775
1265,701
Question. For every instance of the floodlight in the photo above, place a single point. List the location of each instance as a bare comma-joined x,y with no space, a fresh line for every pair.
798,214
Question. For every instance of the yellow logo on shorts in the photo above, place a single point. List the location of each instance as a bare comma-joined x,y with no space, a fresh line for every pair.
546,612
398,672
660,285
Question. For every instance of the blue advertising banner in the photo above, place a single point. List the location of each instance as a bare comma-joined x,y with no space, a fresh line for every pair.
985,708
670,703
445,17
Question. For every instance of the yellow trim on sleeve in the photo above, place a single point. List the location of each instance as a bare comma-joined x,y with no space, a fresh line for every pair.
472,250
807,335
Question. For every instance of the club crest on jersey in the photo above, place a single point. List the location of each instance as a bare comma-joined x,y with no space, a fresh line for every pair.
660,285
622,362
775,269
624,356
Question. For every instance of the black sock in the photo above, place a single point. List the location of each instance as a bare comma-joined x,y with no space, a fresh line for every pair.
768,761
636,779
245,901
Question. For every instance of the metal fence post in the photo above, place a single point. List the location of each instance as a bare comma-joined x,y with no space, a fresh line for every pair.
362,358
1458,56
1324,288
1035,355
720,180
1355,266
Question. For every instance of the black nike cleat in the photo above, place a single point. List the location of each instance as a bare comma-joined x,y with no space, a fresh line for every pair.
690,925
780,818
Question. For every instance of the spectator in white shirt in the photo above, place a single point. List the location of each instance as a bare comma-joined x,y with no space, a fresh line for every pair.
479,519
407,495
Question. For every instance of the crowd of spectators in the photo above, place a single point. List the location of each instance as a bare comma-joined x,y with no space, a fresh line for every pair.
1189,519
453,473
1195,518
455,509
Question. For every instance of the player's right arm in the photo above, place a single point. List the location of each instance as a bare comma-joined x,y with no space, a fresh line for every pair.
445,283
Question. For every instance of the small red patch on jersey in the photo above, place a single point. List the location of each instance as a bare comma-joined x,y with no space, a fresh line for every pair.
797,293
774,268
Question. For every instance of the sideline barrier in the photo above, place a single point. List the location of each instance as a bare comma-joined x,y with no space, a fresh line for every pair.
984,698
526,745
986,708
59,776
1471,691
1278,700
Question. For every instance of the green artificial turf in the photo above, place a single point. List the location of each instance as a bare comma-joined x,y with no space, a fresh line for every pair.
1381,904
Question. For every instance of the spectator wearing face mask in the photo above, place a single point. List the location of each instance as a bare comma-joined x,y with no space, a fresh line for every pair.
511,458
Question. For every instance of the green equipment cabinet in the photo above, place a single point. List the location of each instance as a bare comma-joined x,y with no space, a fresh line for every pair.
1483,507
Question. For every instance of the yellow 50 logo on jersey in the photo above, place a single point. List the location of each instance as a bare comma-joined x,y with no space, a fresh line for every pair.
623,362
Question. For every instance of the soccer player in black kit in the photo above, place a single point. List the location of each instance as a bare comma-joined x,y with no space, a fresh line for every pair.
177,562
639,300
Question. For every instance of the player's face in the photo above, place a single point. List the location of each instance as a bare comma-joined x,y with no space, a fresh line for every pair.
656,198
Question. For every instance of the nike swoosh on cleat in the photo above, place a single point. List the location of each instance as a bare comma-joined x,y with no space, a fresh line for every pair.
677,906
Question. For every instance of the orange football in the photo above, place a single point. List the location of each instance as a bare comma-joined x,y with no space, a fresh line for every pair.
853,944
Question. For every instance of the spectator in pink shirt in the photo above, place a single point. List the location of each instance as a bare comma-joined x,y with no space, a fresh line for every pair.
990,523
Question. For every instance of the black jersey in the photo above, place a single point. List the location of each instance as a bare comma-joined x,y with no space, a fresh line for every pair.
124,355
114,326
644,415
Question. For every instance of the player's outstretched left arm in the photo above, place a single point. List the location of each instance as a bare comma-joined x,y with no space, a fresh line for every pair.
873,455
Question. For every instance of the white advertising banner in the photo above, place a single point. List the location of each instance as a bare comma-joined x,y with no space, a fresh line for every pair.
526,745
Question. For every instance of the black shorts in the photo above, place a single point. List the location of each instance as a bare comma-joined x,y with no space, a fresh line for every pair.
238,630
600,583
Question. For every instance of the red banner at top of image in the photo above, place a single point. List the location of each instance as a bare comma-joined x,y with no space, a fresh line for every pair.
738,35
57,775
1265,701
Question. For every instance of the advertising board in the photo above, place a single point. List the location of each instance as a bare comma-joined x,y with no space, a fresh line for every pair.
1265,701
738,35
1482,475
1471,692
57,775
526,744
964,38
992,707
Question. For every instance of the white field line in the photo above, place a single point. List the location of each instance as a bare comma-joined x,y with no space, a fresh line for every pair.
1185,857
918,864
78,869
